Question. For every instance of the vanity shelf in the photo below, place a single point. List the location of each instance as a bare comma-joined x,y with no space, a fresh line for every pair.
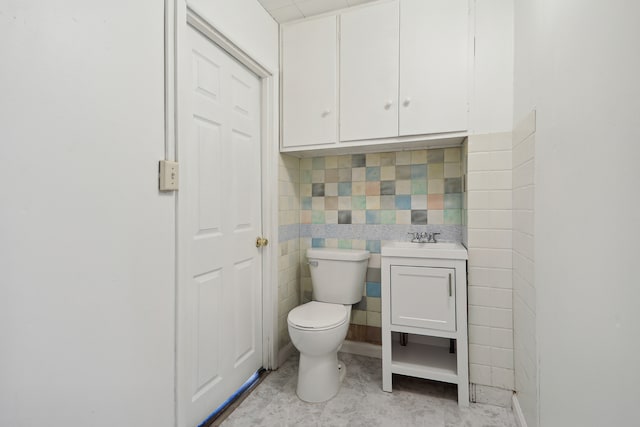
424,295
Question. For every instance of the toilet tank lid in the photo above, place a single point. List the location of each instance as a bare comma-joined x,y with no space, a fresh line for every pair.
337,254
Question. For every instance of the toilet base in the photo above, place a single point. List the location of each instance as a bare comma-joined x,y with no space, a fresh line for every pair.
319,377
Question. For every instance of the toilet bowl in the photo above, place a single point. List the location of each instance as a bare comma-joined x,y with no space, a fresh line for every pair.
318,328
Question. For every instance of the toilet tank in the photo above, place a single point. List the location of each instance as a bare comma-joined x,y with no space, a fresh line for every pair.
337,275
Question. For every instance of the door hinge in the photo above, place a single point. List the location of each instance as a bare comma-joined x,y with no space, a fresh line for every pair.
168,175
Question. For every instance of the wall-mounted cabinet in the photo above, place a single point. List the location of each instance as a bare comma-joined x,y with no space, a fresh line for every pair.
400,69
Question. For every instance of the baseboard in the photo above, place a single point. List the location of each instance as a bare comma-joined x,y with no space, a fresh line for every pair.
362,349
517,412
285,353
489,395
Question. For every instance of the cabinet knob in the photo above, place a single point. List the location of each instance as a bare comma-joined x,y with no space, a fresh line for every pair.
406,102
388,104
326,112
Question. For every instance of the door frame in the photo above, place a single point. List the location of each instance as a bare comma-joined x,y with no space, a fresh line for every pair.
178,17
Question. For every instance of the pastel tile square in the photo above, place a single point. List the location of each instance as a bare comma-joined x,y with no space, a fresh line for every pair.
358,317
331,189
374,304
345,161
387,187
359,244
419,217
317,203
358,202
452,170
361,305
344,189
453,185
317,190
305,190
344,175
358,160
330,243
331,162
453,216
419,201
403,202
305,176
387,173
373,159
387,217
403,158
317,163
453,201
305,163
344,217
403,187
418,157
373,173
317,242
331,217
331,175
305,217
435,216
403,217
317,217
344,244
403,172
387,202
436,186
373,188
305,203
373,216
418,187
387,159
436,171
373,202
344,202
435,201
358,217
374,319
373,246
373,289
358,174
358,188
418,171
331,203
435,156
452,155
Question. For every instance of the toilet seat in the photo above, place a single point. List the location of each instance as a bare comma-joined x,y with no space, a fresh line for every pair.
318,316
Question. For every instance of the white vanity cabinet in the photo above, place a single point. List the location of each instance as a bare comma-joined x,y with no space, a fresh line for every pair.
424,295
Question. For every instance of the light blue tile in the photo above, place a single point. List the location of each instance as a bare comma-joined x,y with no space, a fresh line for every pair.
373,246
402,202
453,201
317,243
373,173
344,189
373,290
305,203
373,217
418,171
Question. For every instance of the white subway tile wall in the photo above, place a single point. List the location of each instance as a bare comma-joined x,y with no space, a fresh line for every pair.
524,293
489,241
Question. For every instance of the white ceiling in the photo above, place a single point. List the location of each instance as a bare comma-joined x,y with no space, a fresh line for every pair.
289,10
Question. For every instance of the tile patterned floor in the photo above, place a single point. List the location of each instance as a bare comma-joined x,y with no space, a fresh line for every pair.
361,402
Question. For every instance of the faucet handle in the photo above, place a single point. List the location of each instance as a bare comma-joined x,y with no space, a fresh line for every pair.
415,237
433,236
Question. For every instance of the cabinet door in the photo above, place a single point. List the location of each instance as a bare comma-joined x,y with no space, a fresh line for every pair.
433,66
423,297
309,82
369,72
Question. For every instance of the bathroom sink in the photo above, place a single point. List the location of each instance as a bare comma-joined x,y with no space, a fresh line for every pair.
442,250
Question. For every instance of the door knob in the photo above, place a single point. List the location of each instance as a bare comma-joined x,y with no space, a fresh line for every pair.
261,241
407,102
388,104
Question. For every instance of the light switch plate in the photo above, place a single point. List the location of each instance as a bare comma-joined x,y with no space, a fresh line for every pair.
168,175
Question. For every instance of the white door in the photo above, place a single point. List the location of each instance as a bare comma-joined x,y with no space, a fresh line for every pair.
423,297
434,55
309,82
369,72
219,209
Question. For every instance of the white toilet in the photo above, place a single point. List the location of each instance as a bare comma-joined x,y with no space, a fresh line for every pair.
318,328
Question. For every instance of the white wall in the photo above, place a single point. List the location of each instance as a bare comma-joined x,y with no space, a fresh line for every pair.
86,240
586,93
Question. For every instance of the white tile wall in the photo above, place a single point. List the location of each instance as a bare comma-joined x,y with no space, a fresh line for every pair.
490,242
524,294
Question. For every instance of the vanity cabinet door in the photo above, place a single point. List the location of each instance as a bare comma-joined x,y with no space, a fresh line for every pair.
434,56
423,297
309,82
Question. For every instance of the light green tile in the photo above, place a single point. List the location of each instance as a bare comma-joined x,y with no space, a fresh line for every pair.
344,244
358,202
305,177
453,216
317,163
418,187
317,217
453,201
388,217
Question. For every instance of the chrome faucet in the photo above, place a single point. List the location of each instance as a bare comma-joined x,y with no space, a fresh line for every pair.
424,237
